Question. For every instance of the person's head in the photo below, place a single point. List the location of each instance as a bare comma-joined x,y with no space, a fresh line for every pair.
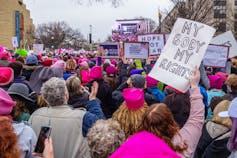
130,113
32,60
8,138
159,120
6,75
232,114
6,103
20,94
231,83
96,73
74,88
20,59
222,106
54,92
60,64
17,68
71,65
41,102
104,138
138,81
179,105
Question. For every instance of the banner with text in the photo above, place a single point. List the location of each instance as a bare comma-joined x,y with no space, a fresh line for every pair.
110,50
216,56
136,50
38,48
156,42
183,51
227,39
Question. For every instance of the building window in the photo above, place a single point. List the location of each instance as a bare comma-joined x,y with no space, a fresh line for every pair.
219,2
219,12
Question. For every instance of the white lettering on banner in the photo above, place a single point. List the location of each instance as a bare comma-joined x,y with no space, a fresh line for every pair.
183,51
156,42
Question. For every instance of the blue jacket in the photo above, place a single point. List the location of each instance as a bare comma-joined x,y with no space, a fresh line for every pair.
94,113
156,92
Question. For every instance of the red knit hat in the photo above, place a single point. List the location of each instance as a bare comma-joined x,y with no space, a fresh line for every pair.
134,98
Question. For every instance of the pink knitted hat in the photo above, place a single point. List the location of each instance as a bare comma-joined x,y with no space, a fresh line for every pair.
6,103
134,98
96,73
60,64
223,76
85,78
6,75
144,145
215,81
110,70
151,82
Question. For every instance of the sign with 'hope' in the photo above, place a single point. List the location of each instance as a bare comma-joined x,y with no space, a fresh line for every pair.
183,51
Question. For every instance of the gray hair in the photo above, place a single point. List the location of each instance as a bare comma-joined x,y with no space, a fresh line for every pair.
104,138
54,91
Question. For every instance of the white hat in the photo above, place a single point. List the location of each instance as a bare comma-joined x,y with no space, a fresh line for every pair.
232,111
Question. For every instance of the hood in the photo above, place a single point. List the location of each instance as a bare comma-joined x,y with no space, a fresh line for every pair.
28,68
215,129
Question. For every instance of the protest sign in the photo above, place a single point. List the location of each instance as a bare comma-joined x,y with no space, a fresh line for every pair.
110,50
216,56
14,42
183,51
227,39
38,48
136,50
156,42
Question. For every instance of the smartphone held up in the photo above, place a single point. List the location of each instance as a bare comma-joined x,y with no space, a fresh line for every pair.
44,134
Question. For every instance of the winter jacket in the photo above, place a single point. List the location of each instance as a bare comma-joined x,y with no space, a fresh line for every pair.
79,101
27,71
160,96
123,74
104,94
213,142
26,139
214,93
192,130
118,96
66,133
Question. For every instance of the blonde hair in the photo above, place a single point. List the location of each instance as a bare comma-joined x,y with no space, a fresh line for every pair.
222,106
129,120
71,65
74,88
41,102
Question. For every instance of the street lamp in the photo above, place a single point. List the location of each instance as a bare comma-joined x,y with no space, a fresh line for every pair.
90,37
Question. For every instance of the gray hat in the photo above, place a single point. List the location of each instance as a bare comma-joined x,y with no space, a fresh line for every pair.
138,81
19,89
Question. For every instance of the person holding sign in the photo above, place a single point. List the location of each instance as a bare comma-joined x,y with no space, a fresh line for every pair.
159,120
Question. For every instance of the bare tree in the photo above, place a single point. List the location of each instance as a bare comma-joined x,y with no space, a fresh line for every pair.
197,10
58,35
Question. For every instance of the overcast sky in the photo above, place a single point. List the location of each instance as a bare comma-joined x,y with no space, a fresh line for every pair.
100,16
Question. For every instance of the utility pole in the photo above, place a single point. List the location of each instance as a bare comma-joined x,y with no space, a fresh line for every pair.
90,37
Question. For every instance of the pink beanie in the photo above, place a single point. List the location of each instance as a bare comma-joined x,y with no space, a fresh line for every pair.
215,81
60,64
96,73
144,145
84,63
6,75
134,98
6,103
111,70
223,76
85,78
151,82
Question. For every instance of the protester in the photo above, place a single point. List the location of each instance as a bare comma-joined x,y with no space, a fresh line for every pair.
104,138
152,87
111,77
8,140
104,91
61,117
31,64
232,114
131,111
20,94
6,77
135,81
144,145
231,83
159,120
79,98
25,134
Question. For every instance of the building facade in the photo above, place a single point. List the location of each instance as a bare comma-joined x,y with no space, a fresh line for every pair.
222,15
15,21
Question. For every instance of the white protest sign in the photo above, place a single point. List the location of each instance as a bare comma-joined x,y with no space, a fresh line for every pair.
136,50
183,51
38,48
14,42
216,56
227,39
156,42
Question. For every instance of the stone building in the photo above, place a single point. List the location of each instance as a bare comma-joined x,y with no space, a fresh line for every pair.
15,21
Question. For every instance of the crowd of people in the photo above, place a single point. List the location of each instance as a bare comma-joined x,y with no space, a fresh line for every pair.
113,109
